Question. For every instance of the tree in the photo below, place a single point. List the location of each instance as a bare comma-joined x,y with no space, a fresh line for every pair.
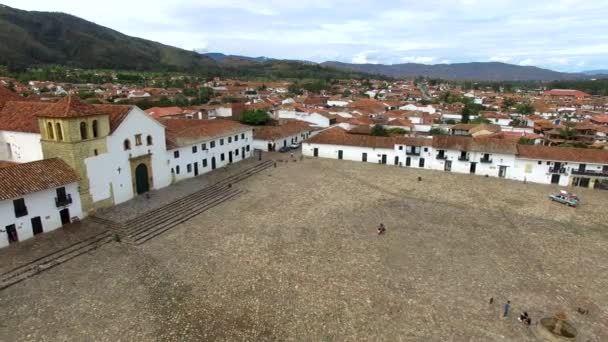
516,123
526,141
480,120
508,103
525,109
347,93
466,114
397,131
295,89
255,117
437,131
379,131
567,133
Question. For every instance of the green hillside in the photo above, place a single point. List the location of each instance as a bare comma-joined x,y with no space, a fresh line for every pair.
33,39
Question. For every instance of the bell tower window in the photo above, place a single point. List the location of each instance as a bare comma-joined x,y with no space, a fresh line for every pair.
49,131
95,129
83,130
127,144
149,140
59,131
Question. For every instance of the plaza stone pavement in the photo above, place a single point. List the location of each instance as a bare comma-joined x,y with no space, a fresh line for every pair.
296,258
140,205
44,244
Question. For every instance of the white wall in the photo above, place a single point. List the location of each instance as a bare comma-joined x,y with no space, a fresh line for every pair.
41,204
103,170
516,168
260,144
337,103
24,147
353,153
186,156
312,118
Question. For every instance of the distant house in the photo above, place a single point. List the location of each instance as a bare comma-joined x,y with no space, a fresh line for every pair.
566,93
600,119
272,138
313,116
496,118
138,94
474,130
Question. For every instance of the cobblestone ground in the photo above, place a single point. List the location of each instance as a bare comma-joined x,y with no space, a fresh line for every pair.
297,258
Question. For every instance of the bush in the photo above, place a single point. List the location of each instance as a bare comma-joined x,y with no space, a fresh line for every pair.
437,131
379,131
255,117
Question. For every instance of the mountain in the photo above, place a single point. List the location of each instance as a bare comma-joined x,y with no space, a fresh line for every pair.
220,57
491,71
595,72
31,38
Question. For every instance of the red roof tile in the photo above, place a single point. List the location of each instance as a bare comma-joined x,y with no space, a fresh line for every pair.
182,132
21,179
19,116
70,107
282,131
583,155
7,95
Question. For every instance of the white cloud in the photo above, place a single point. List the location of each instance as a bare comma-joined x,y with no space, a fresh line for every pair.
527,61
445,61
420,60
560,60
502,59
544,32
363,57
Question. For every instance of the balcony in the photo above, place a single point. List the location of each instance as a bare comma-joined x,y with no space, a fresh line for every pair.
560,170
486,160
412,153
463,158
62,202
590,173
441,157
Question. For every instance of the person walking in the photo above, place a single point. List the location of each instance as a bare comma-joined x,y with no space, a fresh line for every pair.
506,308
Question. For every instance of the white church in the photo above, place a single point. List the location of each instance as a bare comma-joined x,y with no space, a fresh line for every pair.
117,152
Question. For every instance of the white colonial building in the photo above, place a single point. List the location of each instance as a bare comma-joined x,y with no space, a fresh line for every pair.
491,157
272,138
36,197
197,147
118,152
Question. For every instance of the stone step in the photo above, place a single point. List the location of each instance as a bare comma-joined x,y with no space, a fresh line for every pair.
53,259
171,221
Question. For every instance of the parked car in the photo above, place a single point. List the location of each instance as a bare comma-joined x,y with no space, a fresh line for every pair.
294,146
284,149
564,197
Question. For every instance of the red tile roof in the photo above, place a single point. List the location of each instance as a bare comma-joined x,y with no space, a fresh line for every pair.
159,112
182,132
583,155
277,132
338,136
21,179
7,95
5,163
117,113
601,119
19,116
488,145
567,92
70,107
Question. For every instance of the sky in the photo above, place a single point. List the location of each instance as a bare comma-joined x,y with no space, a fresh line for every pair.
564,35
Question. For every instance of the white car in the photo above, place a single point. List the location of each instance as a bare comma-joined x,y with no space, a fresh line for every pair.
294,146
